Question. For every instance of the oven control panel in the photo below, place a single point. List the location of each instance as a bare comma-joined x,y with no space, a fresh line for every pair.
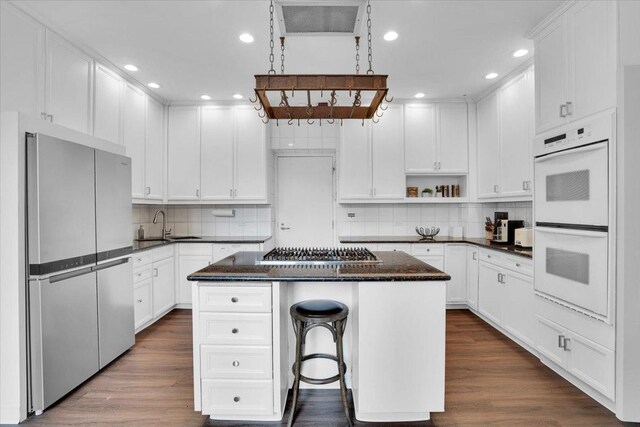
575,135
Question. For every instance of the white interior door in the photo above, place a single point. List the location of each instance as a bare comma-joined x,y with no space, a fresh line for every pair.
305,201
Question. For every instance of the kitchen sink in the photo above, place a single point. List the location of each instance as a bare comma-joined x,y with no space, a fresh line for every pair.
185,238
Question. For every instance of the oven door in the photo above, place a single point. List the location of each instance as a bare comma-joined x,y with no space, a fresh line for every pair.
572,186
571,265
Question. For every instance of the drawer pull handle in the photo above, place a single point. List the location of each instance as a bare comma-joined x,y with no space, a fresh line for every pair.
139,259
517,264
234,331
236,399
139,300
234,299
488,256
235,363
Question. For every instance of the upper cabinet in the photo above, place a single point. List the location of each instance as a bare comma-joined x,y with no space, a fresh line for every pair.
436,139
68,84
107,112
217,154
154,170
505,138
575,60
133,136
371,158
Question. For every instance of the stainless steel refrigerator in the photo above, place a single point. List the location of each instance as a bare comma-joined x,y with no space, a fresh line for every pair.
79,249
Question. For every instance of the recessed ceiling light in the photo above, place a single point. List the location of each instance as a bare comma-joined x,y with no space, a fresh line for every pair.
246,38
130,67
491,76
419,95
237,96
205,97
520,52
390,36
153,85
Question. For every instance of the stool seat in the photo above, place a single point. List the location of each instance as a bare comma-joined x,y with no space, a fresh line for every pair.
319,308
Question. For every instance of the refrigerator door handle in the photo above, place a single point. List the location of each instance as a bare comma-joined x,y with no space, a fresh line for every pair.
110,264
69,275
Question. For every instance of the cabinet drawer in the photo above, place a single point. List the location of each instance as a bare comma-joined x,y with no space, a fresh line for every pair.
521,265
142,303
205,249
141,273
427,249
235,328
142,258
237,397
492,257
235,362
162,253
235,299
404,247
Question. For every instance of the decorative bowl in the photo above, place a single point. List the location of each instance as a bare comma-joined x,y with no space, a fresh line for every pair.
427,233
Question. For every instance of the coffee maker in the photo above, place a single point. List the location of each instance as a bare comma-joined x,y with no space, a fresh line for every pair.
506,229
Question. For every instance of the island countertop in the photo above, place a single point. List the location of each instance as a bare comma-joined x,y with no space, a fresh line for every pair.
394,266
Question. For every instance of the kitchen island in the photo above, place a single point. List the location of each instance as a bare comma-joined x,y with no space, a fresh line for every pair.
394,343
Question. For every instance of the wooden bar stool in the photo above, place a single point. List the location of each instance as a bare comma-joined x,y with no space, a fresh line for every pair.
305,316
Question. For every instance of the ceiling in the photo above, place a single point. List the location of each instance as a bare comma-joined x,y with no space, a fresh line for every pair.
444,48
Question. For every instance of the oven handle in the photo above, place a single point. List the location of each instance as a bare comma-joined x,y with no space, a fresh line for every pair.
572,232
572,151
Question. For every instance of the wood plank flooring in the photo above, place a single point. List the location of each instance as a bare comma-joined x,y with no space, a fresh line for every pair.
489,381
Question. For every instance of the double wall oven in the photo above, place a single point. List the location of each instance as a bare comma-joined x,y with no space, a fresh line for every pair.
573,216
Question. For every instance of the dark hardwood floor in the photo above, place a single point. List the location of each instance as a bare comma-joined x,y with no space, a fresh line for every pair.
489,381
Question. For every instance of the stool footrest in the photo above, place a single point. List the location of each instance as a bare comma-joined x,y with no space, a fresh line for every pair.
320,381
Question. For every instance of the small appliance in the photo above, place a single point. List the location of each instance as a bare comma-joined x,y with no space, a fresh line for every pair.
505,230
524,237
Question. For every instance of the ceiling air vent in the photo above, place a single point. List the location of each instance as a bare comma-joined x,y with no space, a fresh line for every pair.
328,18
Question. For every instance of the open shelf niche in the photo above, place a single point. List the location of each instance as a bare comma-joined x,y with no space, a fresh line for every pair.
431,181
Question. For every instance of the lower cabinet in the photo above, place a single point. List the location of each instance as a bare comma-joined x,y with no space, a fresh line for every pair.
455,264
187,265
472,276
142,303
153,289
583,358
518,312
491,298
163,289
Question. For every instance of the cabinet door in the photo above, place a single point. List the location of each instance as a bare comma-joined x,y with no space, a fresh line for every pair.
488,147
516,136
217,153
491,293
142,303
355,161
549,342
133,136
68,86
592,363
472,276
387,151
551,75
187,265
420,153
455,264
592,58
21,62
519,317
107,105
453,147
154,150
250,178
184,154
163,289
433,260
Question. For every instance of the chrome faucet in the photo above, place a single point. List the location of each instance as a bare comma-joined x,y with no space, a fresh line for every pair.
165,232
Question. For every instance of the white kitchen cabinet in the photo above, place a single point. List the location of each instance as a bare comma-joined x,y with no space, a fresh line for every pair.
250,163
491,293
133,136
68,94
576,64
107,107
191,258
488,140
473,261
505,138
184,153
142,303
163,288
154,152
223,250
516,136
217,150
436,261
586,360
371,158
519,318
436,139
21,62
455,264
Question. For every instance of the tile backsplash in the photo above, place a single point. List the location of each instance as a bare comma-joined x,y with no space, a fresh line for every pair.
402,219
198,220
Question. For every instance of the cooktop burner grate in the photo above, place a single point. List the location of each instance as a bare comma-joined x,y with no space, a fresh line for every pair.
318,256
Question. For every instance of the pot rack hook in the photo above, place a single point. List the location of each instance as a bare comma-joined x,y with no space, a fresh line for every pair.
262,116
362,122
379,115
331,121
389,101
277,122
373,119
253,101
383,108
265,122
290,121
309,122
259,108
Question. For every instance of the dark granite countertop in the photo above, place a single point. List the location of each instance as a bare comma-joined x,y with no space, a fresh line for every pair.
511,249
144,245
395,266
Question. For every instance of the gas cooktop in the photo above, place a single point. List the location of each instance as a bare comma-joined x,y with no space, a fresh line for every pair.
318,256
